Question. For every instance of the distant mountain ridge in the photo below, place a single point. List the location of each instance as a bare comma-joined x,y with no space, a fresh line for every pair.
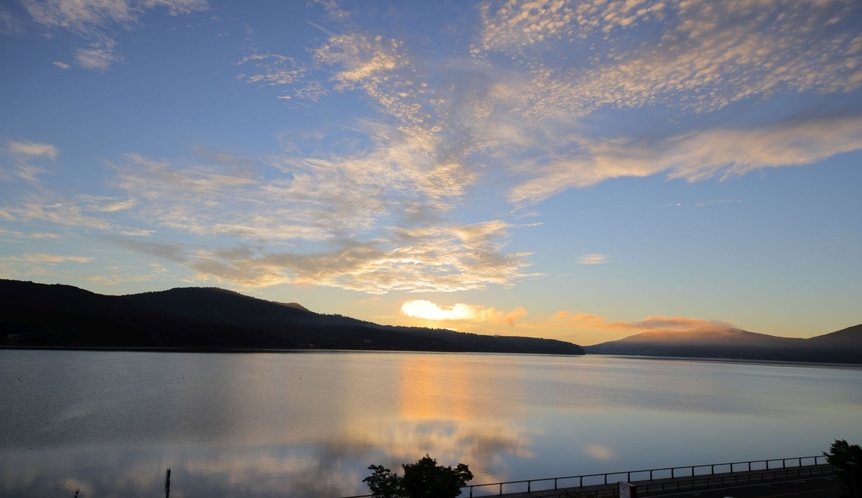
213,319
843,346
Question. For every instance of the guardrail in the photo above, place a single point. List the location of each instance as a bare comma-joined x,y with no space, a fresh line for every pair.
741,478
643,475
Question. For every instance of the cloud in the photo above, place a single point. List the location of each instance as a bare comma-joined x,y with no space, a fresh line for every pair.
92,20
17,160
593,259
331,210
137,233
47,258
599,452
370,223
61,65
31,235
502,113
53,210
98,56
272,69
651,323
83,16
430,311
332,9
26,148
695,156
463,312
9,24
705,54
440,260
521,115
170,251
107,204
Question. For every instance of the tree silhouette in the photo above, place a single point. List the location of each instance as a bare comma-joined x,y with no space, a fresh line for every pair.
423,479
846,459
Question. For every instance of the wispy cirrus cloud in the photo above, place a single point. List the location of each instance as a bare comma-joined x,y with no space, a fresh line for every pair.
28,235
503,114
47,258
593,259
706,54
83,16
53,209
98,55
27,148
523,112
272,69
95,20
356,224
19,160
443,260
433,264
695,156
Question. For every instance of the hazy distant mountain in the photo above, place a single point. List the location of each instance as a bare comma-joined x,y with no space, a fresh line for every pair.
849,338
39,315
844,346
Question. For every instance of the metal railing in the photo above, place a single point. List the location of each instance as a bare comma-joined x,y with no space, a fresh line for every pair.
690,473
529,485
715,481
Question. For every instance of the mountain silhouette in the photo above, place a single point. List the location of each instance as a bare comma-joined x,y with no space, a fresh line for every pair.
843,346
212,319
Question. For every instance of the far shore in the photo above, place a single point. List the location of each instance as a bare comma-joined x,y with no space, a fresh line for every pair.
149,349
317,350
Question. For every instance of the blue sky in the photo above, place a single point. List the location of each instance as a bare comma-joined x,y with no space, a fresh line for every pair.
583,170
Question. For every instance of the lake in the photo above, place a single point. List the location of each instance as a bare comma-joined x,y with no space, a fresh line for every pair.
309,424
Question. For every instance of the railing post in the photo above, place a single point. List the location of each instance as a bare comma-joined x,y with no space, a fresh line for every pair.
783,463
650,475
580,481
528,487
555,484
606,478
749,466
628,477
501,489
712,470
471,491
671,473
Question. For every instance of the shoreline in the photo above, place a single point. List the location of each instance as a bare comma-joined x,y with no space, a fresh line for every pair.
153,349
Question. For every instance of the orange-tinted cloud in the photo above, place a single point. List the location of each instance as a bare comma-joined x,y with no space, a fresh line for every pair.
650,323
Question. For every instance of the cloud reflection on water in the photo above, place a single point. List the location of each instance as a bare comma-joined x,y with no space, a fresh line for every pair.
262,425
329,468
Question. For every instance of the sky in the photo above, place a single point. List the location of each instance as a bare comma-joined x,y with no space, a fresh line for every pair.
579,170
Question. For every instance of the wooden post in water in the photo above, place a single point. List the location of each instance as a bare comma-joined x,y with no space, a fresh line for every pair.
168,483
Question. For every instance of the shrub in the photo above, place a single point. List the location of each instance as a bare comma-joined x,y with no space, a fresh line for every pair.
423,479
840,453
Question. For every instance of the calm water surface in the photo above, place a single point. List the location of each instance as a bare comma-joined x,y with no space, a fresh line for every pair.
257,425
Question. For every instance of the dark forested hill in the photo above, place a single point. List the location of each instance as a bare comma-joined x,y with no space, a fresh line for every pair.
39,315
844,346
